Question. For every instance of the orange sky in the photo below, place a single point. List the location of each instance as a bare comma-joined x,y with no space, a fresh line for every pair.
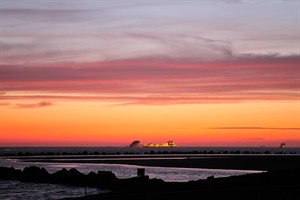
104,124
105,73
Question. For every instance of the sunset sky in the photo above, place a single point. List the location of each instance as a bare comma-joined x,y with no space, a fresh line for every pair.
105,73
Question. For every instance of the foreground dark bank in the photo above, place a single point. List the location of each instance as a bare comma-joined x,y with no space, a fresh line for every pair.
277,184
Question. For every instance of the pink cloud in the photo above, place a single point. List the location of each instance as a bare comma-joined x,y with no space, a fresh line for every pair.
160,81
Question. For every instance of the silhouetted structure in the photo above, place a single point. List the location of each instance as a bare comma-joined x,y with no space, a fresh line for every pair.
136,143
141,172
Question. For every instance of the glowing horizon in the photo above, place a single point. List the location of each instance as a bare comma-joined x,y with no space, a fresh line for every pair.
106,73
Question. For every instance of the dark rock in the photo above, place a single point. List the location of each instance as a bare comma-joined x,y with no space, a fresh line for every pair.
9,173
72,177
35,174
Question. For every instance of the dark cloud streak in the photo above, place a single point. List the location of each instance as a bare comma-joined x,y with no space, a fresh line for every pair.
33,105
253,128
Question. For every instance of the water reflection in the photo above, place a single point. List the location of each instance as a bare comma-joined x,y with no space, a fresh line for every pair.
127,171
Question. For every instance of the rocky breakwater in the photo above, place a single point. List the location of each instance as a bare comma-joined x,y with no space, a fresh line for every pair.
101,179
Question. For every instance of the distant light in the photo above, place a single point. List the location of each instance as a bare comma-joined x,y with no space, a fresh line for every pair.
282,145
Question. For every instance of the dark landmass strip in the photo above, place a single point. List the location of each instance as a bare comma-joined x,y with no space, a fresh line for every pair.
242,162
153,151
275,184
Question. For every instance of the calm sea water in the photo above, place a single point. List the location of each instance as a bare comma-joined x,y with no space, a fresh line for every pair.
10,190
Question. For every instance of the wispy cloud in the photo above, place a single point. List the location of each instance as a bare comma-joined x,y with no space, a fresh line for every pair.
33,105
253,128
96,31
5,103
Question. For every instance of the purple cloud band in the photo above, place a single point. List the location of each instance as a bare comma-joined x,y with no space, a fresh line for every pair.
160,81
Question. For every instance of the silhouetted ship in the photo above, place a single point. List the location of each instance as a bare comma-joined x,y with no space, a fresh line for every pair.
170,143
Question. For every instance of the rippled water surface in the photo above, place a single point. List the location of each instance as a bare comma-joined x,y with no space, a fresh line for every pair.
15,190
